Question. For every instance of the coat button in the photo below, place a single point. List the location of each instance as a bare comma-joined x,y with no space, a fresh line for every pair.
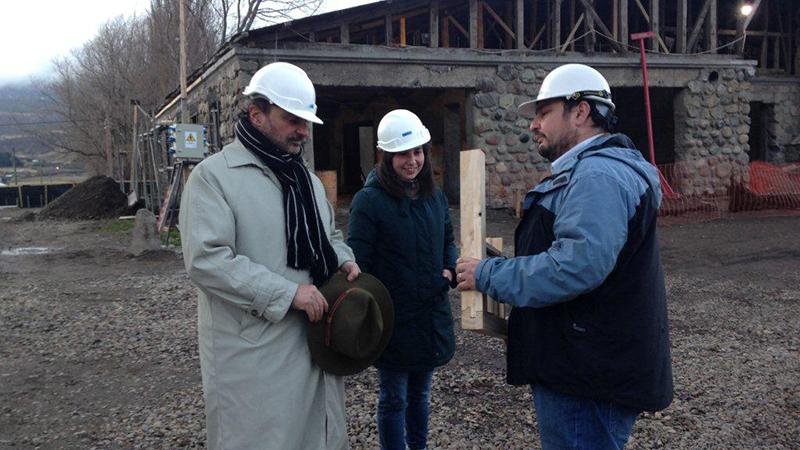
254,313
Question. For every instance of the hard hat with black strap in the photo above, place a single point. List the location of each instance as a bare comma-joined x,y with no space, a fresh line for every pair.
573,82
286,86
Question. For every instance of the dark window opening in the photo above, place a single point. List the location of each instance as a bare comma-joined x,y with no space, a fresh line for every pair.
633,122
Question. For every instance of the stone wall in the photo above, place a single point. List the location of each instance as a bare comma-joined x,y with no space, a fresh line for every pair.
219,91
712,123
513,165
784,121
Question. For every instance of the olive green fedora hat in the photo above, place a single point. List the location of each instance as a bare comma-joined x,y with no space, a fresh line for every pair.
357,327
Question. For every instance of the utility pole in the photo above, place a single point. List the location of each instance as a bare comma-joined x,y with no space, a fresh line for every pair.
107,144
182,35
14,164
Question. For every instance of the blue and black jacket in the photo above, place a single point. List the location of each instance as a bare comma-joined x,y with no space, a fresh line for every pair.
590,316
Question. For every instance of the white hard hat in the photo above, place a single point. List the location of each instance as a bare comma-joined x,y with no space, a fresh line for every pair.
287,86
571,82
401,130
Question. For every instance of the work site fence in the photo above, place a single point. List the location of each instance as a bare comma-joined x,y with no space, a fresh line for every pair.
699,192
32,196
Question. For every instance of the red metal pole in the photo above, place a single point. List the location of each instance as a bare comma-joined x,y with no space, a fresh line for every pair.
641,37
665,187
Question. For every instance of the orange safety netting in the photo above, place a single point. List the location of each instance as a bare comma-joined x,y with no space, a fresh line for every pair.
706,191
771,186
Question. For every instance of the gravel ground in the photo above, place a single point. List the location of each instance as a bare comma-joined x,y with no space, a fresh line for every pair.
99,348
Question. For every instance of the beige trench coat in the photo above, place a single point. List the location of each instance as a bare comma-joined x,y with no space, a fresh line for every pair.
261,389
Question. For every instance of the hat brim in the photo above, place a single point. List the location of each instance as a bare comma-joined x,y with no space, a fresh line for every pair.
527,109
336,363
307,115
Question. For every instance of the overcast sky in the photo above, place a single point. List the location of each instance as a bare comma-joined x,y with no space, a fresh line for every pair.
33,32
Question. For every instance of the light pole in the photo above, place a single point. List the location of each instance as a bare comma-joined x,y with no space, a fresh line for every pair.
746,12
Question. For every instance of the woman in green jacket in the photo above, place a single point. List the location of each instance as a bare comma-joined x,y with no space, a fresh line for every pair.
400,231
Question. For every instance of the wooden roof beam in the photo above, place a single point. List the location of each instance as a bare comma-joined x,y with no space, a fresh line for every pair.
697,26
599,22
498,20
653,24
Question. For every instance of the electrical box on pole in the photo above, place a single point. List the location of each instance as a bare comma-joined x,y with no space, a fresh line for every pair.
187,141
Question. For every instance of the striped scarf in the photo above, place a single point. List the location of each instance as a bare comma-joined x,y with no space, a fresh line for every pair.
308,245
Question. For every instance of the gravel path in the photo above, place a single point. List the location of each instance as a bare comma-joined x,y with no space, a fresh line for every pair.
99,348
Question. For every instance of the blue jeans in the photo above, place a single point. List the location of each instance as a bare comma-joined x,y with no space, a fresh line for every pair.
403,409
567,422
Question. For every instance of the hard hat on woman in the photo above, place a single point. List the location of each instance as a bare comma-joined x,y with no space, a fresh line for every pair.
401,130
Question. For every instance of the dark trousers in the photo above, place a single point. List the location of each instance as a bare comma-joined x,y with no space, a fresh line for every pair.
403,409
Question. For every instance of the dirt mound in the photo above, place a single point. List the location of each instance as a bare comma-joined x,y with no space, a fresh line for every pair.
98,197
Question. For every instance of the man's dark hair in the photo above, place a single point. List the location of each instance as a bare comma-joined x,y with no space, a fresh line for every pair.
259,102
396,186
606,121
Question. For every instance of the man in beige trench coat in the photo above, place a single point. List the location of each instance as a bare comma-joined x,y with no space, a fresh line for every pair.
258,237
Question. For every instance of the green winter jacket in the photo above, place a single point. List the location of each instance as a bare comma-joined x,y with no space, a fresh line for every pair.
406,243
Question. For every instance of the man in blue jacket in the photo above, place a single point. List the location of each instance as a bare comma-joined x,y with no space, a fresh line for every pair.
589,330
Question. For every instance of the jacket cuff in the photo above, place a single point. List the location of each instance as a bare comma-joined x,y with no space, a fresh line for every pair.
276,309
482,274
453,281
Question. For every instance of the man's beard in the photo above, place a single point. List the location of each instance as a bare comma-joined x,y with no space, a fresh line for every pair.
553,151
284,146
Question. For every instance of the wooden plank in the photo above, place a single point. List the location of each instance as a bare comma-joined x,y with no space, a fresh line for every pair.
623,22
458,26
597,20
556,37
711,29
572,33
474,314
494,248
473,24
434,24
615,18
680,38
763,59
590,39
520,24
533,16
541,31
655,24
480,27
498,20
658,41
402,31
389,33
446,32
701,18
344,33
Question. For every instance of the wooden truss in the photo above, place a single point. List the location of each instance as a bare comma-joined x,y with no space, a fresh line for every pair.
558,26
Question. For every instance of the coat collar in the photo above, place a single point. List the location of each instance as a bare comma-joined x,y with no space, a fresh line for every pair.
567,161
236,155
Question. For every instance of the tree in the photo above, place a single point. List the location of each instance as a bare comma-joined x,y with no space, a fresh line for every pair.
129,59
137,59
237,16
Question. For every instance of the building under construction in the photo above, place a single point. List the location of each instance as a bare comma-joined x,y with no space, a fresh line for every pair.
724,84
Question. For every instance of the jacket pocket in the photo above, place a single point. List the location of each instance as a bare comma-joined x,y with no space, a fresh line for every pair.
252,327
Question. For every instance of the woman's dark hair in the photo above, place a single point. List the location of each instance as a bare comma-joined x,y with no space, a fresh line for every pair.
396,186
